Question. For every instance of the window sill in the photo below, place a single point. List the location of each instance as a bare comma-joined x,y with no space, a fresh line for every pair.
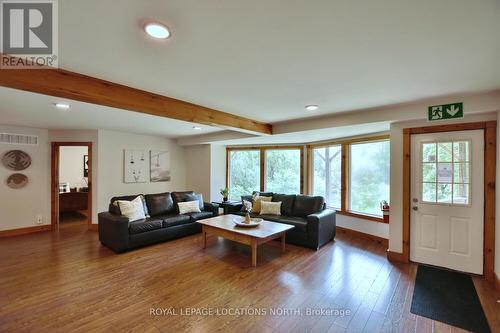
362,216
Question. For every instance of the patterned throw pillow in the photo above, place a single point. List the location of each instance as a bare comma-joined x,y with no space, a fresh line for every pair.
134,209
189,207
270,208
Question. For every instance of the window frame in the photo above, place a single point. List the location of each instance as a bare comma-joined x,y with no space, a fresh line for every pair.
263,150
310,183
345,170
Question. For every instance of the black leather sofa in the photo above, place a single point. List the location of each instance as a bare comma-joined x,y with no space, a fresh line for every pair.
314,224
119,234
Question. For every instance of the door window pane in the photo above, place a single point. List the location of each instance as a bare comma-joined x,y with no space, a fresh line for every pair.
444,193
447,178
283,171
327,174
244,173
429,152
429,192
461,194
369,176
445,152
461,151
429,172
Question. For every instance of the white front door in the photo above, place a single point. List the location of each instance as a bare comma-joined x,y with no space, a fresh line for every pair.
447,200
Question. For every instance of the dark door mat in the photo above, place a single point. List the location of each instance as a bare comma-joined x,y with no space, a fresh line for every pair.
448,297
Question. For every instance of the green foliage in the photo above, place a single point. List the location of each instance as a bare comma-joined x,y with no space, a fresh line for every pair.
244,173
283,171
370,176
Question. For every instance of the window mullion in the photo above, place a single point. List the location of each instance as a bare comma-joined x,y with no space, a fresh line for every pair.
344,175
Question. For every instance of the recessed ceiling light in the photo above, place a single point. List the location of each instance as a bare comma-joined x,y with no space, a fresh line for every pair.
312,107
157,30
62,106
197,128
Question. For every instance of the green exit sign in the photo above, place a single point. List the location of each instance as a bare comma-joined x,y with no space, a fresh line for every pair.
445,111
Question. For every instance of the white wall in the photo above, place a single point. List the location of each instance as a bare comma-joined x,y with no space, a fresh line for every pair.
19,207
198,169
217,171
71,165
111,155
396,213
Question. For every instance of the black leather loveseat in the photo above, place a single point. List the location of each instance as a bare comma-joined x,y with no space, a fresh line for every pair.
314,224
164,223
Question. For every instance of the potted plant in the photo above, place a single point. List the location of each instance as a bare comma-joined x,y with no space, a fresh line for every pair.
225,194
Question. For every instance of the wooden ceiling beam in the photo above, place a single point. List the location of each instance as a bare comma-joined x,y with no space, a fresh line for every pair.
69,85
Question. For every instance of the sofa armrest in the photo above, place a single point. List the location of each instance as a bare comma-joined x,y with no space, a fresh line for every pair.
234,208
321,226
113,231
211,207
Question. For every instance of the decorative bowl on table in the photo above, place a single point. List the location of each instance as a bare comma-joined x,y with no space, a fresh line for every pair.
240,222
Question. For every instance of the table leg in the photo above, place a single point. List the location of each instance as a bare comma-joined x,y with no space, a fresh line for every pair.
254,253
204,238
283,238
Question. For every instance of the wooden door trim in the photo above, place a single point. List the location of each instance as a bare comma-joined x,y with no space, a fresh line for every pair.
54,181
489,128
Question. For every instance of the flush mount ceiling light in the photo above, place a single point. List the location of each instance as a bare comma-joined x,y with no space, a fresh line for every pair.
157,30
62,106
197,128
312,107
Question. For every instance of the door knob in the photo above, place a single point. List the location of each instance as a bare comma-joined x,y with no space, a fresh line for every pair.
415,208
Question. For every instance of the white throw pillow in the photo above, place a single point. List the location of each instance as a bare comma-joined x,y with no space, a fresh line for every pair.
189,207
134,209
270,208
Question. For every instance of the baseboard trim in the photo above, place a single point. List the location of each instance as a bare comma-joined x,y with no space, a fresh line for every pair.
93,227
24,231
359,234
396,257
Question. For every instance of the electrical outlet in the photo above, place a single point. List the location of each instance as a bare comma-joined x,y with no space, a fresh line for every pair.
39,219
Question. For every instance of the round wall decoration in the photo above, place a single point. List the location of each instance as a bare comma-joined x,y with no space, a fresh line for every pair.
17,180
16,160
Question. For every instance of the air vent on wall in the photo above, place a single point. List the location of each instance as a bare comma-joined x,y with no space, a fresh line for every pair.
18,139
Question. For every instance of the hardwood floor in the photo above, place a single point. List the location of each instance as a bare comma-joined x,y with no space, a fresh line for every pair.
68,282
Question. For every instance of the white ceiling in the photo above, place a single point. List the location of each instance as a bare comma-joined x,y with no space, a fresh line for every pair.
35,110
267,59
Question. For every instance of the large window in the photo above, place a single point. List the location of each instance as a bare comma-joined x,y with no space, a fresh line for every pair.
353,176
282,170
244,172
326,174
368,176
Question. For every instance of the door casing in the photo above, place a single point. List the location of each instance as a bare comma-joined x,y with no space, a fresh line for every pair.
489,188
54,183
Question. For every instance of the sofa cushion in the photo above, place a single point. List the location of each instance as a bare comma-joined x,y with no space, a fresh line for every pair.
299,223
199,215
160,204
180,197
145,225
188,207
287,201
113,204
263,194
195,197
173,220
305,205
134,209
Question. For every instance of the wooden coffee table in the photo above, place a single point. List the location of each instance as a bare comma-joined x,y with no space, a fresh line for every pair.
224,226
